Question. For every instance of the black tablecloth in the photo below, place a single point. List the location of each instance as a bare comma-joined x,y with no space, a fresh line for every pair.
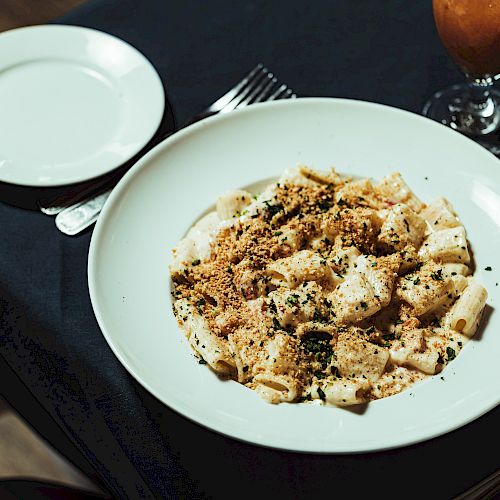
386,52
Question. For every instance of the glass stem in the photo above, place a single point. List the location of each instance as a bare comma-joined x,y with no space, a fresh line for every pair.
479,89
477,113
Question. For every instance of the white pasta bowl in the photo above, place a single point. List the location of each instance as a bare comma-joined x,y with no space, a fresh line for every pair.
167,191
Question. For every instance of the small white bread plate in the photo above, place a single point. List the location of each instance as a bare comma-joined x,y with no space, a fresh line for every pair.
75,103
164,194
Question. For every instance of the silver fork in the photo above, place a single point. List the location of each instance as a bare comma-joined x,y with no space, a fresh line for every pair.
258,86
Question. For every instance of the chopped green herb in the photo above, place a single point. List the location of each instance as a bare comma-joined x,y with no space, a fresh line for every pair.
438,275
324,205
319,318
304,398
273,209
318,345
321,394
196,262
450,353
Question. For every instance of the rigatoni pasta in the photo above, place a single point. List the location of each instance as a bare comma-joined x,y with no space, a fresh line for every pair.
323,288
466,312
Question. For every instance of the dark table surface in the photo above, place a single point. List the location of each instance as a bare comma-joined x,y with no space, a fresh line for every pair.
57,367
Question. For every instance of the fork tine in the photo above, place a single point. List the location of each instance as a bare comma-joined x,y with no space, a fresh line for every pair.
237,89
246,94
287,94
262,96
278,92
262,85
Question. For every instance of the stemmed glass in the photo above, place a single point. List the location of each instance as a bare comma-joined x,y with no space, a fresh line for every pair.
470,32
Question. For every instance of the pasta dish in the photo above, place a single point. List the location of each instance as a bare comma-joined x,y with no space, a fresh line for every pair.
327,288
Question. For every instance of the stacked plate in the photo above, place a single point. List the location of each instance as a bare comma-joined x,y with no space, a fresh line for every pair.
76,103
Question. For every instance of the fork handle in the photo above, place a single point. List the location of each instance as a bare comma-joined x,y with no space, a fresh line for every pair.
77,217
201,116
